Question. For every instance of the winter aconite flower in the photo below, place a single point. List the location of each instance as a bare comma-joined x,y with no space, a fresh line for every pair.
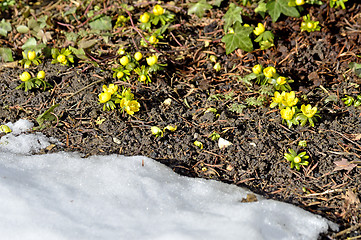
299,2
287,113
153,40
257,69
296,159
41,75
277,99
144,18
25,76
259,29
269,72
290,99
31,55
156,131
130,106
111,89
138,56
308,111
281,80
104,97
124,60
62,59
152,60
158,10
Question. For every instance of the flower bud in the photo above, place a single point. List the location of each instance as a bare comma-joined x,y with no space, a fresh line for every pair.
257,69
144,18
31,55
25,76
158,10
61,58
120,75
41,75
124,60
259,29
152,60
269,72
138,56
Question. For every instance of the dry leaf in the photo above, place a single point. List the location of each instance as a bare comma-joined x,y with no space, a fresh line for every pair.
344,165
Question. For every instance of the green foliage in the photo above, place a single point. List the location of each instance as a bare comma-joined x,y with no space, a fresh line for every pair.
277,7
5,4
64,56
296,159
6,55
47,118
338,3
199,8
5,27
309,25
31,44
239,39
255,101
237,107
102,24
232,16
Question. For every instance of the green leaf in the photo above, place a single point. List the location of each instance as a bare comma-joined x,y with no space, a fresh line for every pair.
276,7
31,44
22,29
261,8
46,116
232,16
103,23
199,8
356,68
239,39
216,2
5,27
6,55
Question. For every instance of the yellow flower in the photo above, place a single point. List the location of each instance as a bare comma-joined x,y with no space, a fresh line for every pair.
287,113
31,55
142,78
259,29
121,51
25,76
269,72
158,10
297,159
153,39
104,97
278,98
61,58
124,60
257,69
120,75
300,2
130,106
156,131
144,18
41,75
290,99
308,111
281,80
152,60
138,56
111,89
5,129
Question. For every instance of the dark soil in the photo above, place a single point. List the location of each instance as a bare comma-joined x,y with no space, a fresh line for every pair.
317,62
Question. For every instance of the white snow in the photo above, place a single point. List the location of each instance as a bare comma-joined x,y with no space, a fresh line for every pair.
64,196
